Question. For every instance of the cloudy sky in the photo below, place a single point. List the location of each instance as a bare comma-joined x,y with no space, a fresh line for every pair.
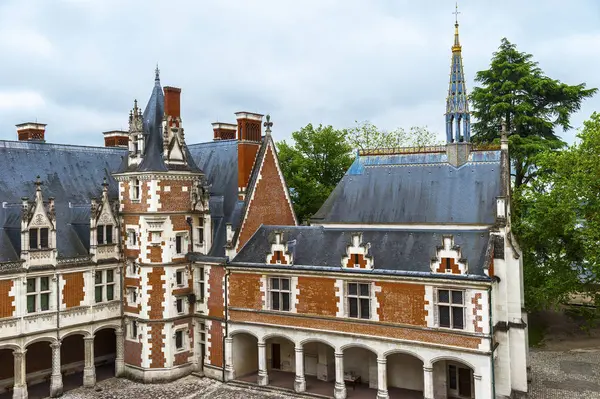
77,65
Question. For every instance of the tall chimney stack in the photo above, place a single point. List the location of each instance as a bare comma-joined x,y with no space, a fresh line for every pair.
31,131
116,138
172,101
224,131
249,137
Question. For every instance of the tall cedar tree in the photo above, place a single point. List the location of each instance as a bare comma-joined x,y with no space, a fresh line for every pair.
515,89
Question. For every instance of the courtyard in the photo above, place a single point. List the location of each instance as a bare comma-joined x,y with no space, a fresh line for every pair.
573,374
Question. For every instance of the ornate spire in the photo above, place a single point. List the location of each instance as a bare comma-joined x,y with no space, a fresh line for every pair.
157,74
458,120
268,125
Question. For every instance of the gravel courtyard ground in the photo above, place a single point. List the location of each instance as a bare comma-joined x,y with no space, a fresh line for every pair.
572,374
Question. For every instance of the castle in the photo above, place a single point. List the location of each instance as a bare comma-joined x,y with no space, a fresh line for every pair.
152,259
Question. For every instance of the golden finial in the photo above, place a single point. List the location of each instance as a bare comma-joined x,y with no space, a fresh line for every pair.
456,46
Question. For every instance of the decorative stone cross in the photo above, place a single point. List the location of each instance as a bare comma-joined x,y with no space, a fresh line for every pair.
268,124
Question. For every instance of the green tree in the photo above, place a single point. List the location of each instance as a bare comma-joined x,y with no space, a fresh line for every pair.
313,166
366,135
559,223
515,90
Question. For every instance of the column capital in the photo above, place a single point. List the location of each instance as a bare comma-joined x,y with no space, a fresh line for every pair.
88,339
381,360
19,353
477,377
229,340
299,349
119,331
339,355
55,344
262,344
428,369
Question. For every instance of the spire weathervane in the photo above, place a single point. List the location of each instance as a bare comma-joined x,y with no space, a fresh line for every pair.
157,73
456,12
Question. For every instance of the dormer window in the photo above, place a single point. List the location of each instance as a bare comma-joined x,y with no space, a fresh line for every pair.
135,189
105,234
38,238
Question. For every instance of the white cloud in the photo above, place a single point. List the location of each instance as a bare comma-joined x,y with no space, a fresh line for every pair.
19,100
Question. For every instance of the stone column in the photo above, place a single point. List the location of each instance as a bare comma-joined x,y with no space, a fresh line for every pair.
20,385
120,355
229,370
263,376
89,369
56,384
382,392
299,382
340,386
480,389
427,382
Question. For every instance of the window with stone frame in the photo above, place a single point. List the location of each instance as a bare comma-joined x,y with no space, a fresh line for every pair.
358,298
39,238
104,234
180,340
179,305
450,309
180,244
133,329
200,231
180,277
201,285
132,295
104,285
279,294
135,189
131,237
38,294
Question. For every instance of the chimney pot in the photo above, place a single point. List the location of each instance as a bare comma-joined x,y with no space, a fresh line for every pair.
116,138
172,101
31,131
249,126
224,131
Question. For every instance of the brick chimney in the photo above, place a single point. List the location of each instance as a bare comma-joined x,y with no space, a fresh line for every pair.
249,137
224,131
116,138
172,101
31,131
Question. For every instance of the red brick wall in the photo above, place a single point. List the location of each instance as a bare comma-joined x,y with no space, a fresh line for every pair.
215,337
176,199
356,327
131,282
317,296
156,293
133,353
135,221
246,158
157,339
138,206
216,298
7,307
73,292
244,291
184,357
401,303
477,307
269,205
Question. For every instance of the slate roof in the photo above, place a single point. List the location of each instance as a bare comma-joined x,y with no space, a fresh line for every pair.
416,188
392,250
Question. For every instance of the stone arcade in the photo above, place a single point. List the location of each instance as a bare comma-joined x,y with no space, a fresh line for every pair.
152,259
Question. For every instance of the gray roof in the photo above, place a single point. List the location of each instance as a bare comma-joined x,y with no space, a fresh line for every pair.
416,188
70,174
392,250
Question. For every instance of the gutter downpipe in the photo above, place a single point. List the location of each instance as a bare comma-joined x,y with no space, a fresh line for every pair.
226,316
492,343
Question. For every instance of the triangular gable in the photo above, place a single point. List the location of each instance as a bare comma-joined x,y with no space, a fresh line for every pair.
268,201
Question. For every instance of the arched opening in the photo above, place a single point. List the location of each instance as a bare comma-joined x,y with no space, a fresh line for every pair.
404,376
453,379
360,372
7,370
105,350
38,368
72,358
245,357
319,367
281,361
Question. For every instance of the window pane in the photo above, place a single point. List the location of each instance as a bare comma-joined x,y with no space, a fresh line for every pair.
100,236
110,292
275,300
44,238
110,276
33,235
179,278
452,375
444,296
179,339
30,303
201,291
444,316
179,306
275,283
109,231
353,311
98,294
30,285
457,297
45,301
457,318
98,277
285,301
352,289
178,244
285,284
364,308
364,289
200,235
44,283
